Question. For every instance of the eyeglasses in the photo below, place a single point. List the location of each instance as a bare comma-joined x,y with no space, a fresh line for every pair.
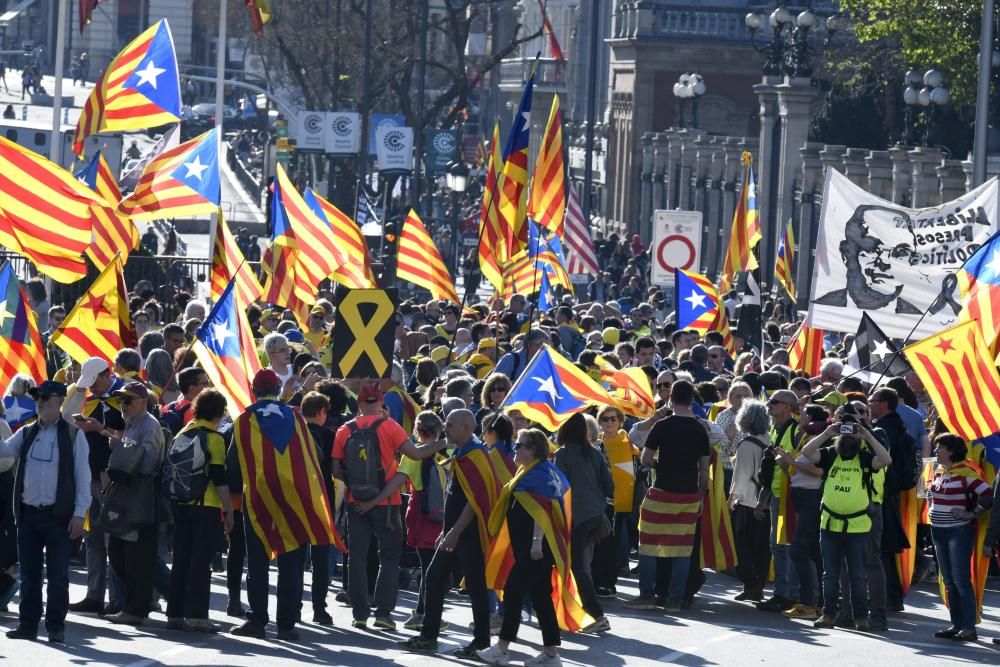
610,418
127,400
41,398
662,385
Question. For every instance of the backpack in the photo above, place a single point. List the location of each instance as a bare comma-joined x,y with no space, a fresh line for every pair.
172,417
432,497
185,467
363,471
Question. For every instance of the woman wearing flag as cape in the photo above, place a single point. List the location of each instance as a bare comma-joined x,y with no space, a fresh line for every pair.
532,520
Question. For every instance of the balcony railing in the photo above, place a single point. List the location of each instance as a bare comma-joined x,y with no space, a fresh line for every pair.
549,73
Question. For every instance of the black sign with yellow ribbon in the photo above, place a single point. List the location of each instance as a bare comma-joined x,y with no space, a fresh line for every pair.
364,333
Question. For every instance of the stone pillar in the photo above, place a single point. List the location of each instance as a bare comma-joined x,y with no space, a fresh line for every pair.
951,178
645,189
688,154
795,98
768,160
832,157
644,18
705,147
879,174
902,174
732,175
673,177
855,168
926,191
713,222
660,144
808,223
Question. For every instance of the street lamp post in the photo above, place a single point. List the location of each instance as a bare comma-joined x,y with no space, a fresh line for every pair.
787,54
911,97
934,96
688,87
456,179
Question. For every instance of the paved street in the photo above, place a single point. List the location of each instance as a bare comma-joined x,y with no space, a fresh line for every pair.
718,631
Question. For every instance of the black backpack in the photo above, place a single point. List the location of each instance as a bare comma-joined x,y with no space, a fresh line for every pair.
363,471
185,467
432,497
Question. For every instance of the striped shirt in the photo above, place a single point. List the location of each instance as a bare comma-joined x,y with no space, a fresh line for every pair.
949,491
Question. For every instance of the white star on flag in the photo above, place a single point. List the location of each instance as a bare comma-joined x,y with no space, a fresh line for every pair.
269,410
881,349
14,413
195,168
994,263
696,300
149,74
527,118
4,313
220,332
548,386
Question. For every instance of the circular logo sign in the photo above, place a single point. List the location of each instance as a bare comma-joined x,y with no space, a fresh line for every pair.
342,125
313,123
675,252
393,140
444,142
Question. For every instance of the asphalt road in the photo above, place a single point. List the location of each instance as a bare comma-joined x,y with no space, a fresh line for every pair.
717,631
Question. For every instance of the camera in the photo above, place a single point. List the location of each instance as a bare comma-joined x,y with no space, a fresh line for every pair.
848,427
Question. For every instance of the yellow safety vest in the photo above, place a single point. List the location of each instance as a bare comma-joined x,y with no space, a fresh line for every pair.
846,497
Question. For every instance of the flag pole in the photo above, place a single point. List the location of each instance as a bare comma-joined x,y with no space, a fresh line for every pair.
56,144
221,47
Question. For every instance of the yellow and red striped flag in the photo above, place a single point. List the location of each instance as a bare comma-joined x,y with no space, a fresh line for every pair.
547,203
523,274
805,350
21,348
785,261
46,214
139,89
514,180
718,548
356,271
722,326
493,234
114,234
229,264
631,392
745,232
284,497
957,370
98,325
420,262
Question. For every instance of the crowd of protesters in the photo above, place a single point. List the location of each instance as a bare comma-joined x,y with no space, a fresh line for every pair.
828,454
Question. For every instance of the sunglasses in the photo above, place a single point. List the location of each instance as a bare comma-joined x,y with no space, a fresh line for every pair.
500,389
661,385
609,419
127,400
42,397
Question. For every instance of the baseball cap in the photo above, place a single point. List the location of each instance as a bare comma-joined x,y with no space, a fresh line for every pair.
611,335
133,390
49,387
834,399
265,381
270,312
785,396
439,353
294,336
487,342
369,393
318,310
89,371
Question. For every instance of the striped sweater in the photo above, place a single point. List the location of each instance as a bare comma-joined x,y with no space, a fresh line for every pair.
948,491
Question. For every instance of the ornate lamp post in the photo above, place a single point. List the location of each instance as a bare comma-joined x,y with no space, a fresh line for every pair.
688,87
933,97
911,97
787,54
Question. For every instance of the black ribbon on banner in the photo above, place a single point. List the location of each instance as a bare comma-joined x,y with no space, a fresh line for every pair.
947,296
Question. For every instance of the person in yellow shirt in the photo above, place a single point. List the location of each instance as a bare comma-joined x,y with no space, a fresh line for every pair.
318,336
611,553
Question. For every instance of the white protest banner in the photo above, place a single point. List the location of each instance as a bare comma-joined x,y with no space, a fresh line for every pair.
893,262
394,149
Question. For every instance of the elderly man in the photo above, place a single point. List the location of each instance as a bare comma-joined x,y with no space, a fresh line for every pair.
279,357
717,359
51,497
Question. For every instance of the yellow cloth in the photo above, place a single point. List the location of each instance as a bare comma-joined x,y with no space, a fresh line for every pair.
216,446
620,455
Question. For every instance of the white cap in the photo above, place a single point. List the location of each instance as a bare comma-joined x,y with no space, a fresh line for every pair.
89,371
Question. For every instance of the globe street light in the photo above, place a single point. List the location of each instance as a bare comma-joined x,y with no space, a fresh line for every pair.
689,87
787,54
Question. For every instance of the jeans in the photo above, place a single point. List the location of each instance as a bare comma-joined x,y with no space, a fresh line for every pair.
874,570
320,575
258,582
805,544
382,523
425,556
836,546
953,546
196,536
38,531
786,584
679,567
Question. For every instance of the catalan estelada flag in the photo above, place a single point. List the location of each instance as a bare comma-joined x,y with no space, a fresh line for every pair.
46,214
481,479
181,181
219,345
114,234
718,548
514,176
979,283
696,301
495,238
785,261
228,264
420,262
957,371
722,326
909,514
547,203
283,491
281,255
356,271
139,89
632,393
551,388
745,232
555,51
805,350
543,256
21,348
543,491
98,325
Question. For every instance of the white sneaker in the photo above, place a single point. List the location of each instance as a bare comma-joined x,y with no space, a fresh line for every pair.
494,655
543,659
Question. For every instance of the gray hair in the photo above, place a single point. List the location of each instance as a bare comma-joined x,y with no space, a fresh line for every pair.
272,341
831,364
742,386
159,368
452,404
752,418
593,429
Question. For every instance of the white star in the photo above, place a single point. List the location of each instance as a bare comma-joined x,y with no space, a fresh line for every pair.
84,181
14,413
994,263
195,168
548,386
149,74
627,467
271,409
527,117
220,332
4,314
696,300
881,349
555,481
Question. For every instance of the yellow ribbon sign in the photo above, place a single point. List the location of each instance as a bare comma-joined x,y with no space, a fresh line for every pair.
364,330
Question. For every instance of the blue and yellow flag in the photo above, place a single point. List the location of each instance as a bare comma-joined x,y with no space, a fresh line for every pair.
283,491
551,388
543,491
181,181
696,300
21,348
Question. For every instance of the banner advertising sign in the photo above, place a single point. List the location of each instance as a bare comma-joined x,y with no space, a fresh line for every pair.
343,133
440,149
394,149
310,134
377,120
676,244
892,262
